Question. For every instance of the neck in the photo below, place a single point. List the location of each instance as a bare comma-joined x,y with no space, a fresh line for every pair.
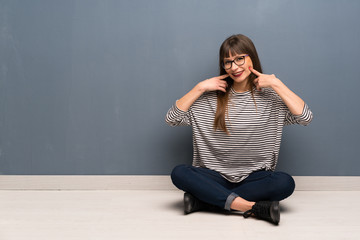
241,87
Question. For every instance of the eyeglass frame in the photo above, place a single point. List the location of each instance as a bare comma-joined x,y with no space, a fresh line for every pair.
233,61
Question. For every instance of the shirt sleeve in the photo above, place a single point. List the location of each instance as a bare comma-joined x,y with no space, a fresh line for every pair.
304,119
177,117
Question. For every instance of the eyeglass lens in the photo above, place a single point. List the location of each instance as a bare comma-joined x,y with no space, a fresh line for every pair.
238,61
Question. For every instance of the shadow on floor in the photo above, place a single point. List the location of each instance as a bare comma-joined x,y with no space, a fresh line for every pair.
178,206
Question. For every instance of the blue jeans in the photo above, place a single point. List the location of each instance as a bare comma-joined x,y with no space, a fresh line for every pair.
210,187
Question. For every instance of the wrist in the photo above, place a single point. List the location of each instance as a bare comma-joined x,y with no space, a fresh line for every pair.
277,84
199,88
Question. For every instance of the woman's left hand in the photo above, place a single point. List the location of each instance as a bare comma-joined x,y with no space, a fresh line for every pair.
264,80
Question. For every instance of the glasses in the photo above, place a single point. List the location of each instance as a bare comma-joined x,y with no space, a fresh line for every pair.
238,61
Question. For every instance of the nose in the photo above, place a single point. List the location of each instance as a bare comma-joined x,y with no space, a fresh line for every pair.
234,67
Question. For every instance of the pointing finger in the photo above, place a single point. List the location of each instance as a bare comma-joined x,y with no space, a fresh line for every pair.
224,76
255,72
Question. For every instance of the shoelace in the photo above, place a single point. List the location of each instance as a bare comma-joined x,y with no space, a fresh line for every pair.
259,210
248,213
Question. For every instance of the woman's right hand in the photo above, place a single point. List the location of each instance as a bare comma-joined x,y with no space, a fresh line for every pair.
211,84
214,84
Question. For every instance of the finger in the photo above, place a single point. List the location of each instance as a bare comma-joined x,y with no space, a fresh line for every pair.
223,86
224,76
257,85
255,72
222,89
223,82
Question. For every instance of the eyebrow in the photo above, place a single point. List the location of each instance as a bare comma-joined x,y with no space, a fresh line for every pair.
240,55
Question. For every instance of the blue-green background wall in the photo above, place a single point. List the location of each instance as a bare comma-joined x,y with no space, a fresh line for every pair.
85,84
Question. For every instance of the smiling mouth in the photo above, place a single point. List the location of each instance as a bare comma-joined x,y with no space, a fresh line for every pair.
238,74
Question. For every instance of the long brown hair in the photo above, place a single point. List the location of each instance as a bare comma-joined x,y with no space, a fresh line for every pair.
236,44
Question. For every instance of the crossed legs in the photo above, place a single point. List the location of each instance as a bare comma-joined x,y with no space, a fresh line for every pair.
210,187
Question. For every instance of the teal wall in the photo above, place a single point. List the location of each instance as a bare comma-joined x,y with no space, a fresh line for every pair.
85,85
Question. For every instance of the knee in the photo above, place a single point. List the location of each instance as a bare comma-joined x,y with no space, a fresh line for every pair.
289,185
285,186
178,173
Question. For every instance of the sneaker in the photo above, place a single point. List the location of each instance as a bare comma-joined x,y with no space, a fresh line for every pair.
266,210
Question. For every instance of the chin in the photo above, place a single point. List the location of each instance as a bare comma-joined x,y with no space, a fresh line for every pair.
240,79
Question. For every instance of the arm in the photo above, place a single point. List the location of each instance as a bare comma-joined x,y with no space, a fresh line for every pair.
292,101
212,84
178,114
299,112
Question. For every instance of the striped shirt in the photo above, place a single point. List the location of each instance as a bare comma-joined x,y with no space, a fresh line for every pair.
255,132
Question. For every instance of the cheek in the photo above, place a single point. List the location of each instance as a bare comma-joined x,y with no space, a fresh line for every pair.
249,63
247,70
247,74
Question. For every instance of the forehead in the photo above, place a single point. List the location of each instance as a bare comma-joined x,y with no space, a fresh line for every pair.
232,54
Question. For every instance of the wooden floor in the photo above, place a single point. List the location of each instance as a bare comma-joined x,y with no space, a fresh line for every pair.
153,214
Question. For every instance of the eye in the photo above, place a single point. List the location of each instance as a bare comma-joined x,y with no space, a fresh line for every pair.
227,62
239,58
